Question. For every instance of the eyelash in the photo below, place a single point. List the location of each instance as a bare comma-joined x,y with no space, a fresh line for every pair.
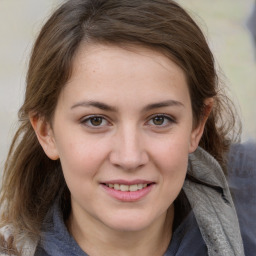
87,121
168,120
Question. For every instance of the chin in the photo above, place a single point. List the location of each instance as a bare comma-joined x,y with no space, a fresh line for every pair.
129,222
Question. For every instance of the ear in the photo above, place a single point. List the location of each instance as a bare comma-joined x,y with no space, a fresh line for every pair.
199,129
44,135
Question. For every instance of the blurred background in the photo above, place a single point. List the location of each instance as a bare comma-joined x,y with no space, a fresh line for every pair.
223,22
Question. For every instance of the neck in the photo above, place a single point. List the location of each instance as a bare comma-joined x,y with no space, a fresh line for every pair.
96,239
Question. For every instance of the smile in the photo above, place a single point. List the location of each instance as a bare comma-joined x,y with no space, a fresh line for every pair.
126,188
128,191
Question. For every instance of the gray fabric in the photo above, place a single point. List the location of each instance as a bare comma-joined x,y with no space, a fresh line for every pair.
242,183
56,240
251,22
186,240
214,210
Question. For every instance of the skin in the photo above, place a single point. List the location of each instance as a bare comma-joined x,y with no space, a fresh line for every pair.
125,88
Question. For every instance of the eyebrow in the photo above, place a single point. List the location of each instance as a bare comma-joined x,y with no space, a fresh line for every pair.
167,103
106,107
96,104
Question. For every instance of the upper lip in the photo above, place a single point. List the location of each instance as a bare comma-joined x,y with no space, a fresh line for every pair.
127,182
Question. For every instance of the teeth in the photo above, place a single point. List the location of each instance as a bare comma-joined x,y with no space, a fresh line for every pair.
140,186
125,188
116,187
134,187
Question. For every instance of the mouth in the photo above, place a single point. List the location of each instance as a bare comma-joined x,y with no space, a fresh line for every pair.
128,191
127,188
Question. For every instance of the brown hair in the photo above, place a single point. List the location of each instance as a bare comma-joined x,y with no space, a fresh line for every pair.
32,181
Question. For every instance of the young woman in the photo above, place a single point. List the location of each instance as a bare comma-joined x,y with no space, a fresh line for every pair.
122,142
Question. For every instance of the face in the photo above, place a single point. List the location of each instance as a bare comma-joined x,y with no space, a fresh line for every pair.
123,131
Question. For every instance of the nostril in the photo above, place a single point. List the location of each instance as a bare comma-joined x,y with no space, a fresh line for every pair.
128,161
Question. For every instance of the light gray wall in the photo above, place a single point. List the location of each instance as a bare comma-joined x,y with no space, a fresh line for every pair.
20,21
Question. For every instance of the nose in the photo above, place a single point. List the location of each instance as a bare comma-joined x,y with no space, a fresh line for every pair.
128,150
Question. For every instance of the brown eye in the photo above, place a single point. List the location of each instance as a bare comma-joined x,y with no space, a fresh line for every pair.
96,121
158,120
161,121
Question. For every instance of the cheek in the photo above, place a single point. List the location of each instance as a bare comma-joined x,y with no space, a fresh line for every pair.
80,166
171,159
173,165
171,150
81,155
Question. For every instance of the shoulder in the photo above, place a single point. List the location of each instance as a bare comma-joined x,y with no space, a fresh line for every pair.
242,172
8,246
242,159
242,182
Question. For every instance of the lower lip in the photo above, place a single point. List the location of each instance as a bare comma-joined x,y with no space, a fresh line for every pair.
127,196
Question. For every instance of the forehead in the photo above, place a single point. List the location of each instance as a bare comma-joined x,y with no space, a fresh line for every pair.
109,70
91,55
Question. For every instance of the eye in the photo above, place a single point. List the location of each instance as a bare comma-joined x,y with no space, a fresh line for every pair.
95,121
161,120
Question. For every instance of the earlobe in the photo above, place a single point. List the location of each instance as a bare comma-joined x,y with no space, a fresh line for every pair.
198,131
45,136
